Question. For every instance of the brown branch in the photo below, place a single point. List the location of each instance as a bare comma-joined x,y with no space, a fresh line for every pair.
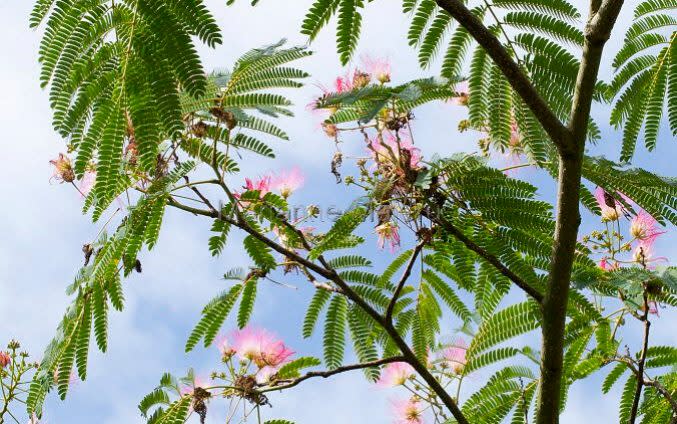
339,370
664,392
641,363
403,280
602,19
493,260
327,272
519,81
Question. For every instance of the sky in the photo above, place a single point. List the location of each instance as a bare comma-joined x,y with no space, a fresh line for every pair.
42,229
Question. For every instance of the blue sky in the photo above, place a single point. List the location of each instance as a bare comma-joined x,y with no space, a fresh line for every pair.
43,231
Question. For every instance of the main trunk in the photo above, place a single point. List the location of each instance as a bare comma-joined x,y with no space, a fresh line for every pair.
556,299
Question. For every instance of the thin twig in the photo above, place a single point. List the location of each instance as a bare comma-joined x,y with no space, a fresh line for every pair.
403,280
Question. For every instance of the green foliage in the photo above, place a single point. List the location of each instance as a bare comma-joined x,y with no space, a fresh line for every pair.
293,369
334,332
213,316
645,80
127,74
363,104
103,87
314,310
340,232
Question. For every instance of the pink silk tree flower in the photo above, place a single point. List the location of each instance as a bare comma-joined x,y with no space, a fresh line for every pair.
262,185
395,374
379,68
463,94
609,213
605,265
274,353
87,182
643,226
5,360
225,348
260,347
287,182
515,135
63,169
188,390
389,149
265,374
653,308
407,411
455,356
388,232
644,252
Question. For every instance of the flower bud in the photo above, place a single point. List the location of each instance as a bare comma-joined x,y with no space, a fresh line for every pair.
5,359
63,169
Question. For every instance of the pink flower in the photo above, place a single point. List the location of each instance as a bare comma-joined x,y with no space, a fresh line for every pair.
343,84
463,94
395,374
515,136
388,232
5,360
189,389
261,347
87,182
262,185
604,200
63,169
407,411
265,374
644,252
653,308
455,356
605,265
225,348
644,226
379,68
390,150
287,182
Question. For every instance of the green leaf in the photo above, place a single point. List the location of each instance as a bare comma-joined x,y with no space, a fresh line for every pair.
293,369
334,332
247,302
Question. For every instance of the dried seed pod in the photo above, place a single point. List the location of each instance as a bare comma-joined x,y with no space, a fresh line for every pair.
336,163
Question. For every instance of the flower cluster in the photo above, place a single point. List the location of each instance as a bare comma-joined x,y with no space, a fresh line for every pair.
414,409
261,348
392,162
285,183
618,251
15,374
643,230
251,358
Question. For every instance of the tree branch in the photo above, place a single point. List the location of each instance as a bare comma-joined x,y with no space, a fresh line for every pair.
493,260
403,280
664,392
642,362
330,274
339,370
519,81
601,21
